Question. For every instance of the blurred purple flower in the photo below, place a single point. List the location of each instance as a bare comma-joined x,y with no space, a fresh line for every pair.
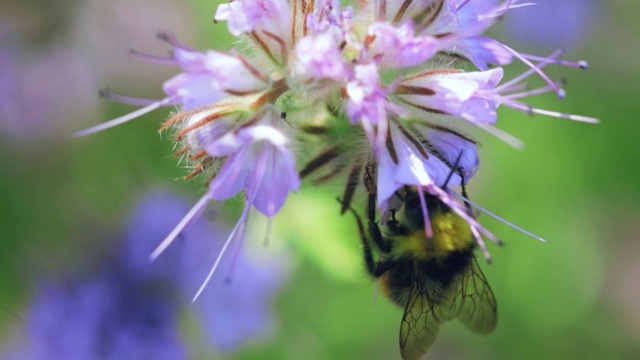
552,23
36,87
107,317
236,307
129,310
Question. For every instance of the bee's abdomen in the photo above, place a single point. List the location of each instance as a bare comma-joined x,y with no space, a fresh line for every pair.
432,279
397,282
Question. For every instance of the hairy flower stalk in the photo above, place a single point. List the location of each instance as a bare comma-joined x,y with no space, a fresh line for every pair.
410,80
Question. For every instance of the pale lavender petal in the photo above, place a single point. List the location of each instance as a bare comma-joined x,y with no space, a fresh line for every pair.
366,100
451,146
463,94
319,58
396,46
280,178
233,175
270,20
386,184
209,77
193,92
413,168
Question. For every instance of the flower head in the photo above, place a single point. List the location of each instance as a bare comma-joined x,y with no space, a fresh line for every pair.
399,84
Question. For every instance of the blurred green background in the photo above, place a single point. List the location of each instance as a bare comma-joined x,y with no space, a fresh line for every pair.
576,185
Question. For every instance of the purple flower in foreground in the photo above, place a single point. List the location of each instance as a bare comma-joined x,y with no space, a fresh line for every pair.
106,317
389,81
237,306
129,309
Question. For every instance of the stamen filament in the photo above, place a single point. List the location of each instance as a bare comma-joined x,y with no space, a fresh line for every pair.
503,135
239,224
155,59
428,229
194,213
126,99
123,119
533,69
499,218
531,110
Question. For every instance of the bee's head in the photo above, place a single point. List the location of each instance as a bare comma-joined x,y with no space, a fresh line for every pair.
413,206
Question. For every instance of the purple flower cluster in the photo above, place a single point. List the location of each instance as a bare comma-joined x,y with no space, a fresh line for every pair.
412,78
129,308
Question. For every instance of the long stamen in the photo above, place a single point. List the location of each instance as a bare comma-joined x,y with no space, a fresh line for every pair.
260,173
526,61
126,99
236,252
582,64
503,135
532,92
532,70
428,229
499,218
123,119
193,214
155,59
172,40
456,207
531,110
239,224
481,244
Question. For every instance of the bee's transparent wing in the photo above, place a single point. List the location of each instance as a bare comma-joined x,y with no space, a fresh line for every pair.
419,326
475,305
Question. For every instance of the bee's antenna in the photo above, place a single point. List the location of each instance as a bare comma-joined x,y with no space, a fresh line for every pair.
454,168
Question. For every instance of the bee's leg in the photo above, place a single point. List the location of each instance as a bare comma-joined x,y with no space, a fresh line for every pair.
375,269
376,235
464,194
352,184
369,180
366,246
374,229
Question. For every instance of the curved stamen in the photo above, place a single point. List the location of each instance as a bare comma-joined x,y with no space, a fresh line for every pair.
503,135
260,173
528,93
428,229
534,68
499,218
126,99
240,224
531,110
155,59
188,219
123,119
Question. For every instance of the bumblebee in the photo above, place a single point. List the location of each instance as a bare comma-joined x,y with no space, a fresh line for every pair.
434,279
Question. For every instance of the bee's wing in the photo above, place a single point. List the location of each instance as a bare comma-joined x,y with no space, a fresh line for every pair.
419,326
475,304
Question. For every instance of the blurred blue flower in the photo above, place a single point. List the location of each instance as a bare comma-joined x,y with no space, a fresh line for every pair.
107,317
129,308
551,23
235,307
36,86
